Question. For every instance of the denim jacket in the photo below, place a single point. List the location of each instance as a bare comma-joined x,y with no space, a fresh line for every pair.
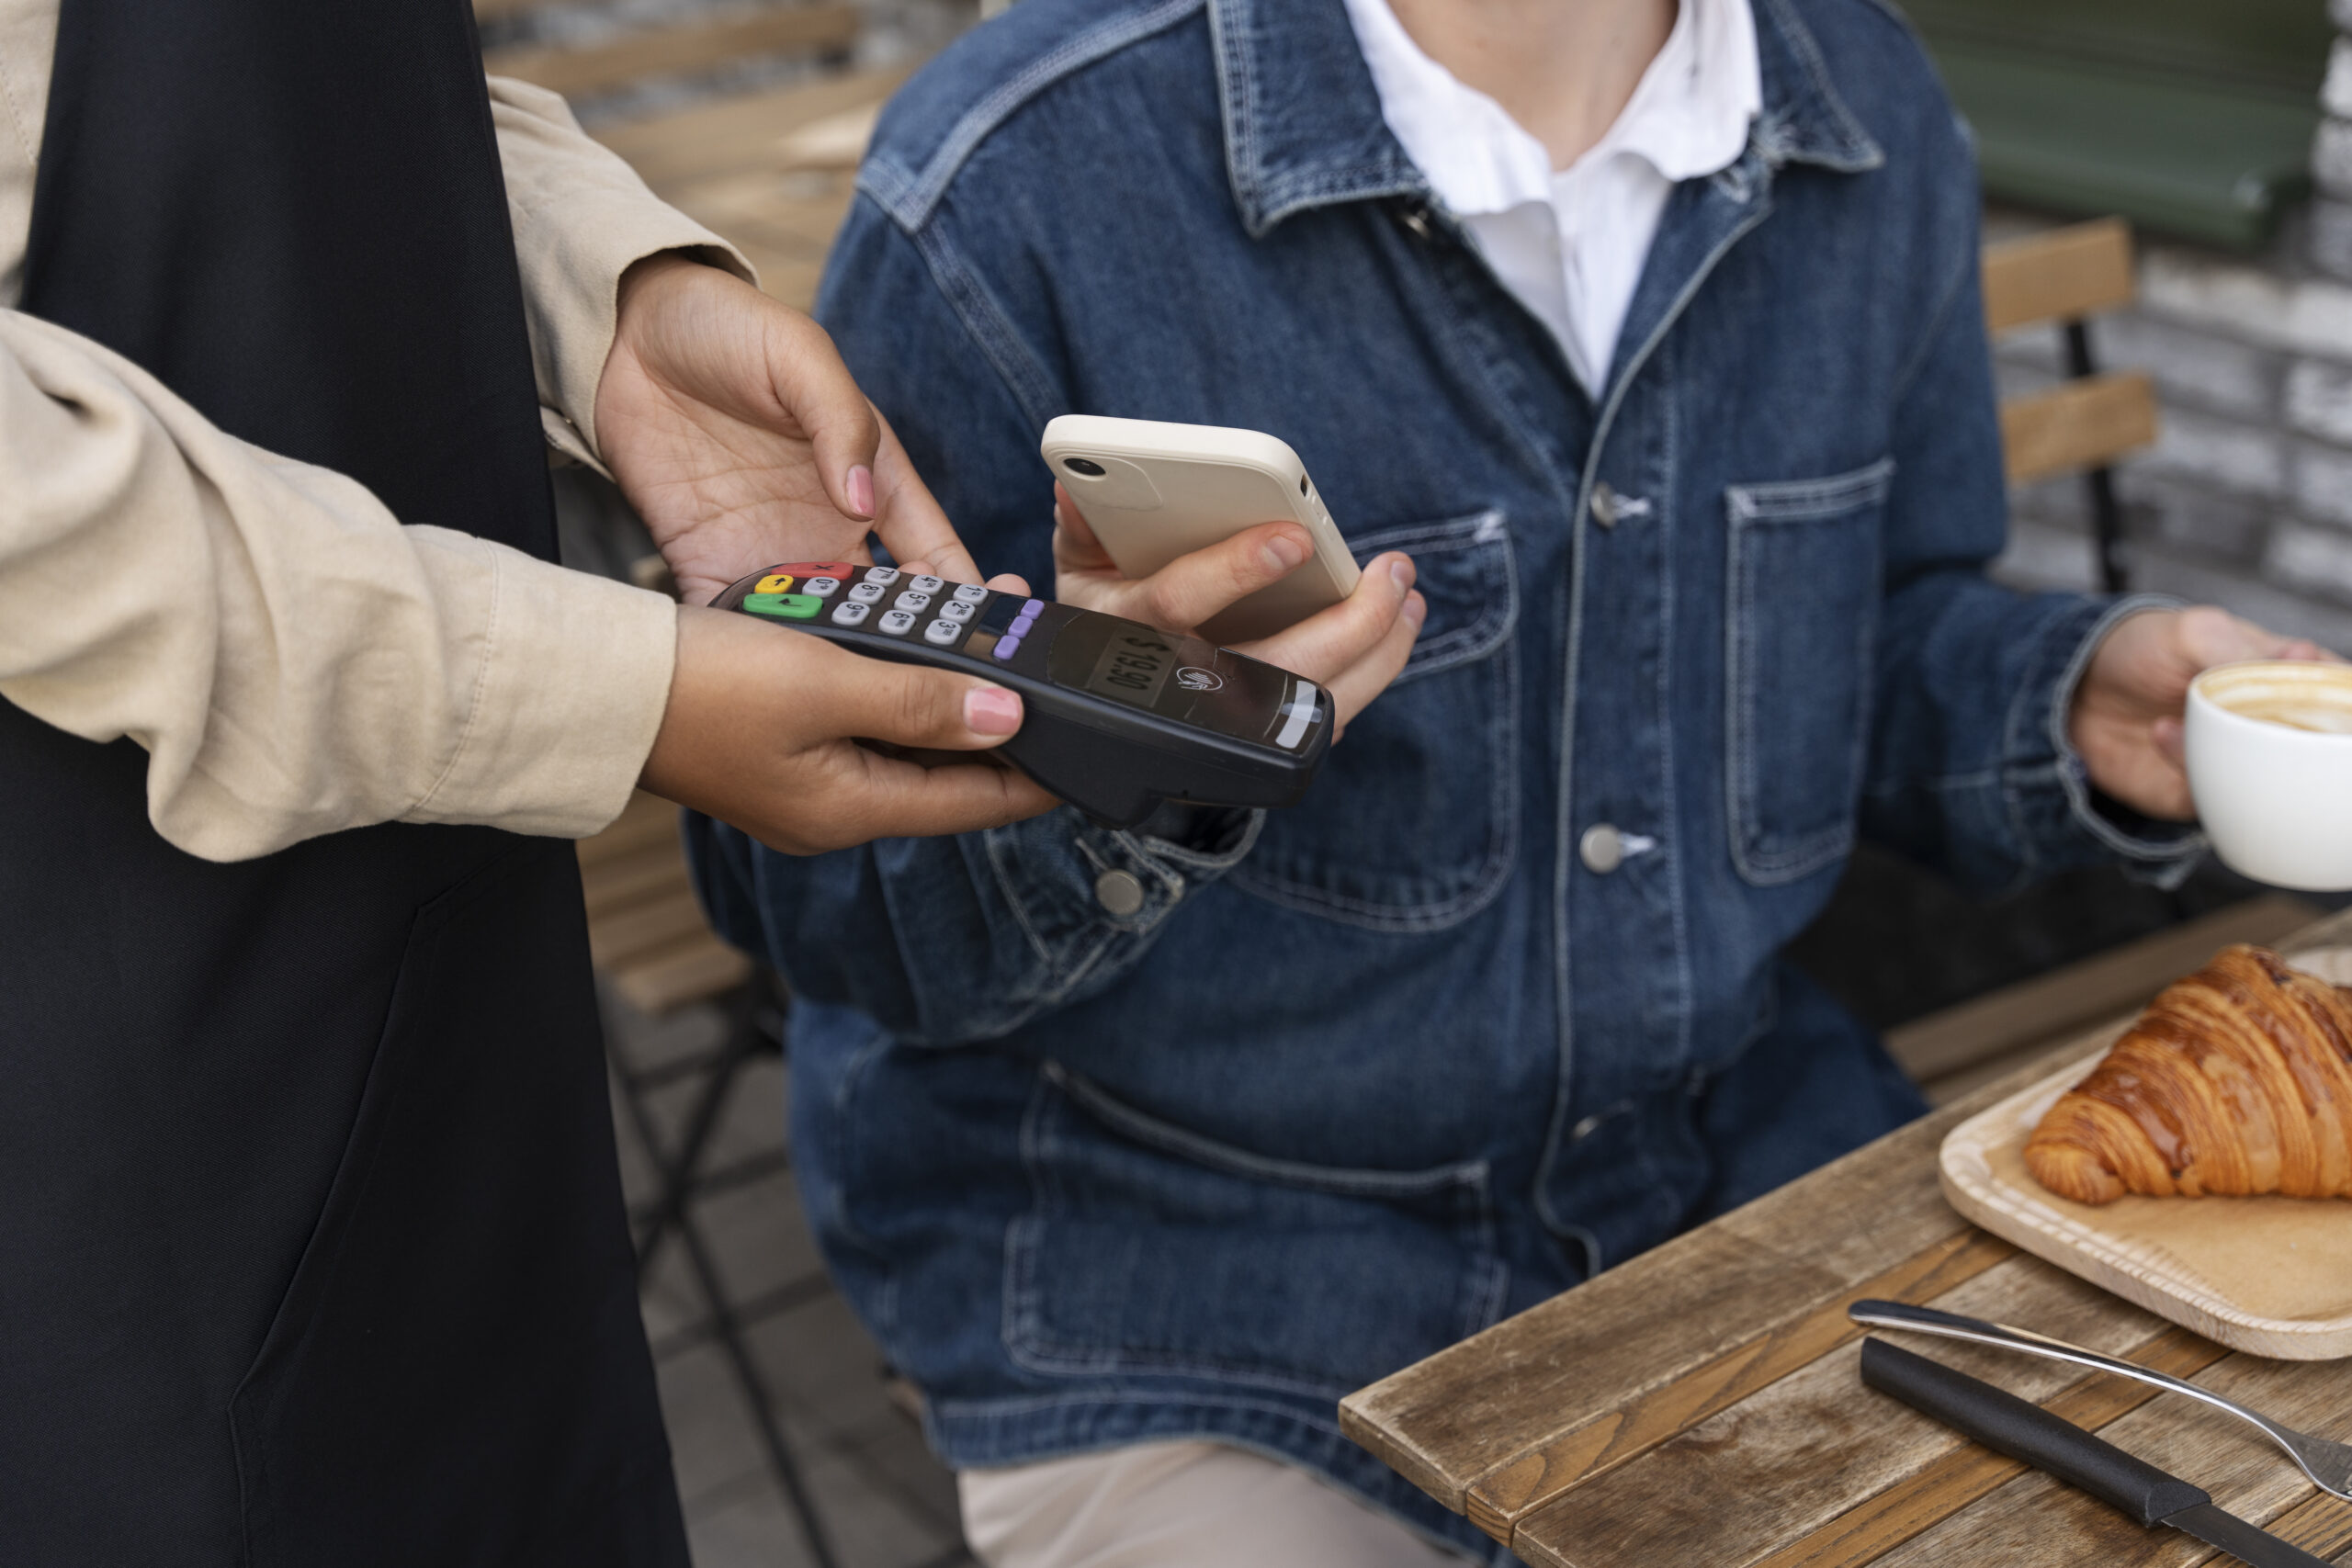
1500,1003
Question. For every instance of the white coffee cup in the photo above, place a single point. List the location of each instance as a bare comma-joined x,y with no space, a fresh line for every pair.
2270,765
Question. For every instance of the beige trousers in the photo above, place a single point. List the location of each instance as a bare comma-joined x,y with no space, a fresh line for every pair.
1179,1504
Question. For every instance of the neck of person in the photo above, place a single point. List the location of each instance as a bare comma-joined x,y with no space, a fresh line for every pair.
1563,69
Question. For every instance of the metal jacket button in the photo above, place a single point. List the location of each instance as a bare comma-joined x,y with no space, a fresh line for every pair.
1119,893
1604,509
1603,849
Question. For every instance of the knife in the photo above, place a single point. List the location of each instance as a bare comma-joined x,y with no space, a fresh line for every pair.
2028,1432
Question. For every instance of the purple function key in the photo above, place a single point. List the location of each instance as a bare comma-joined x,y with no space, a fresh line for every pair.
1030,610
1008,645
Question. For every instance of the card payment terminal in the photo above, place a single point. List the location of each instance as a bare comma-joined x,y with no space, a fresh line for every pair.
1119,717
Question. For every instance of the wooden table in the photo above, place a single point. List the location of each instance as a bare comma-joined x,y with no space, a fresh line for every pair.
1701,1404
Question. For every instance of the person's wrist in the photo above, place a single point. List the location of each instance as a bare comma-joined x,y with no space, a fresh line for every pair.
648,274
2127,638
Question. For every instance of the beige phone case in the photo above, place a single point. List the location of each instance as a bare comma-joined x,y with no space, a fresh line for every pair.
1168,490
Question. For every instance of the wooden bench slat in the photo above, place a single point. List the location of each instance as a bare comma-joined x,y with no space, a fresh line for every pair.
639,878
695,970
2066,1001
677,51
2059,275
637,829
834,142
625,935
2077,424
737,133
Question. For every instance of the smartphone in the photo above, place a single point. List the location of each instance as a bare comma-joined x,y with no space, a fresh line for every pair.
1152,492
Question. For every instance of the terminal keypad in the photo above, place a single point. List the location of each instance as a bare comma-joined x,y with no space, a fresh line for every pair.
958,617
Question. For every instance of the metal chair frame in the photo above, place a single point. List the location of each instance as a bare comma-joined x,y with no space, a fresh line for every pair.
755,1019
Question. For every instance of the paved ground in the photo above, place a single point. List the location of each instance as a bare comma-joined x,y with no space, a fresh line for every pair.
884,1500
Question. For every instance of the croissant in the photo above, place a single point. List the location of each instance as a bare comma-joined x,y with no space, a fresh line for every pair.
2238,1080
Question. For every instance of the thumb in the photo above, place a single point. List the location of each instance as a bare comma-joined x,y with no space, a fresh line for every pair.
1075,547
926,709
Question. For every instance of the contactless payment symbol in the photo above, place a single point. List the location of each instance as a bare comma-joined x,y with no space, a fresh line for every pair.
1194,678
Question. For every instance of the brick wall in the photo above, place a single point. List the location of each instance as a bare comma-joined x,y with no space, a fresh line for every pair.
2246,499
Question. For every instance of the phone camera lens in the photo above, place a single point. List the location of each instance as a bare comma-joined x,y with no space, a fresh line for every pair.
1087,466
1302,484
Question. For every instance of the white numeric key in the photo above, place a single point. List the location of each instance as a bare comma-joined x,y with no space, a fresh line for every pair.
969,594
939,633
897,622
867,594
850,612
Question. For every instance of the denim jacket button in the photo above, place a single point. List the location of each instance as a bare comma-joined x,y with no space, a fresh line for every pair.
1119,893
1603,849
1604,505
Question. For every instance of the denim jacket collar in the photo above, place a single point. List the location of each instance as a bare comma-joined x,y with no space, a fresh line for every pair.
1303,125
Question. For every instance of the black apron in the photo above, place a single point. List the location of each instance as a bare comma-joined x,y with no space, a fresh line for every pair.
312,1249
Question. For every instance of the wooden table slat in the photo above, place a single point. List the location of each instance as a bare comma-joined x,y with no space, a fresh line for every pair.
2035,1520
1464,1414
1498,1500
1962,1476
2321,1526
1801,1453
1668,1411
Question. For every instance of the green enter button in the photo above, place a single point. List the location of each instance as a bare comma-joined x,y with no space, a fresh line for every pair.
785,607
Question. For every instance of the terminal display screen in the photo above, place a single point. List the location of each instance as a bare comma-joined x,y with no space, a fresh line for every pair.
1134,666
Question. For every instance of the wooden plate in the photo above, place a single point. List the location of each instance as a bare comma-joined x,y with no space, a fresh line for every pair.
2272,1276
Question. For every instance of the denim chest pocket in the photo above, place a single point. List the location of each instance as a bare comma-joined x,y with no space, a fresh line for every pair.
1410,824
1803,585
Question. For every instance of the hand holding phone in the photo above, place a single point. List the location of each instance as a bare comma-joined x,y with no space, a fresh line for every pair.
1353,649
1152,492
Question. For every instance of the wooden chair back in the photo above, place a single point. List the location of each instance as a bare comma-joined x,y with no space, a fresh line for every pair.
2066,276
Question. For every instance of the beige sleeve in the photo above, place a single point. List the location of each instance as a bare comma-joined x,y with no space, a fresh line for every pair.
293,658
580,217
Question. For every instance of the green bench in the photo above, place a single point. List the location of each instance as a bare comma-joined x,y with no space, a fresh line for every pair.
2192,118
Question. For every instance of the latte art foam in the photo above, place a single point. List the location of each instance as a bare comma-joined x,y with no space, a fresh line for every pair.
2316,698
2295,714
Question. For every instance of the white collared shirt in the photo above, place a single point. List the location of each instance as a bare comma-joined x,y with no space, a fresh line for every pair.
1570,244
